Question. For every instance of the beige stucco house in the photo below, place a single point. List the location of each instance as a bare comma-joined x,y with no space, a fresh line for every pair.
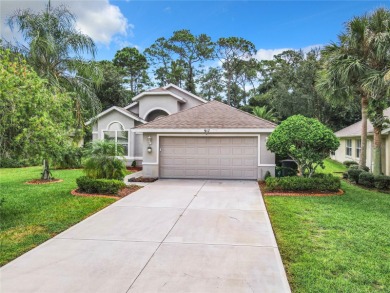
350,144
175,134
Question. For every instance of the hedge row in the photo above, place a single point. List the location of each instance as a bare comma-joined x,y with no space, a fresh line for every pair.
321,182
368,179
100,186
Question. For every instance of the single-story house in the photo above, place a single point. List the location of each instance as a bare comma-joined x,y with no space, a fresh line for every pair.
175,134
350,144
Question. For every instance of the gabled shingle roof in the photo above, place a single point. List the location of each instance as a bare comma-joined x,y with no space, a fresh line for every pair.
356,128
212,115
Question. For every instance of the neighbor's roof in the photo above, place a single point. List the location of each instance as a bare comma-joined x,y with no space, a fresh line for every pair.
212,115
355,129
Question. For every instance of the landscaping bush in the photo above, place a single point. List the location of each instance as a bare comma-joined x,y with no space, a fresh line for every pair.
323,182
353,174
102,161
10,163
366,179
70,158
365,168
267,175
382,182
350,163
345,175
100,186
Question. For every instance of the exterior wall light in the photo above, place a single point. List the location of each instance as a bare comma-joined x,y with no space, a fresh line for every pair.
149,149
149,140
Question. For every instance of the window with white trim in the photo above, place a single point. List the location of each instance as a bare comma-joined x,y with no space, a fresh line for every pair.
358,147
117,134
348,147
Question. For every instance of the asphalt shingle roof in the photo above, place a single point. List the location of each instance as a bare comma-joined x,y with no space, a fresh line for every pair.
210,115
355,129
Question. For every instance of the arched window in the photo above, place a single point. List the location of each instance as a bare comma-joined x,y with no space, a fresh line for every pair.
116,133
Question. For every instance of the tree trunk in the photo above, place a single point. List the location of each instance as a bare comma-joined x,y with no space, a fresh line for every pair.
46,175
363,138
377,169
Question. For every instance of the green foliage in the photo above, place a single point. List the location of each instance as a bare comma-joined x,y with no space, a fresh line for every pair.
353,174
99,186
102,163
69,158
350,163
382,182
36,119
307,141
365,168
134,164
324,182
56,50
366,179
263,112
11,163
111,91
133,66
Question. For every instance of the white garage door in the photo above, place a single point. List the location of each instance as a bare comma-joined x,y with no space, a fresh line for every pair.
208,157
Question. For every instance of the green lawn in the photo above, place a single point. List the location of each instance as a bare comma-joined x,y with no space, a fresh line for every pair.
334,244
31,214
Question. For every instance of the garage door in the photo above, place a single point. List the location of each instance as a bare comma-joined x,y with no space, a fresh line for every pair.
208,157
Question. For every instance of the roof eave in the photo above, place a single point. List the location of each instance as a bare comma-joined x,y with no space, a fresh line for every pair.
203,130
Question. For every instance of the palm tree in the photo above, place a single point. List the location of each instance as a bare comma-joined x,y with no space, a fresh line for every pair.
349,65
375,83
263,112
55,49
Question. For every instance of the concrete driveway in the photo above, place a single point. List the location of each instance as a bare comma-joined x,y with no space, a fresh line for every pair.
171,236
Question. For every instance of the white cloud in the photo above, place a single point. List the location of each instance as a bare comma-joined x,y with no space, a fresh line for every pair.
268,54
99,19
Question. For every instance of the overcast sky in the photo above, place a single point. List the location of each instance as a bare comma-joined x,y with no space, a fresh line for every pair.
272,26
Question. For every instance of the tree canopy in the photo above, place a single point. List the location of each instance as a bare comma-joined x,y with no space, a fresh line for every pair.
37,120
306,140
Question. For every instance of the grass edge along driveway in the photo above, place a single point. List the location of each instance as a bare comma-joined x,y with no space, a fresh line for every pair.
337,243
32,214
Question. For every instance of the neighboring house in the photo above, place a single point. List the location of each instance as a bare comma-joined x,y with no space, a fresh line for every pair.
196,139
350,144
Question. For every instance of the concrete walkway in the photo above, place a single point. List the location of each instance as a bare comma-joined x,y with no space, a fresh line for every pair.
171,236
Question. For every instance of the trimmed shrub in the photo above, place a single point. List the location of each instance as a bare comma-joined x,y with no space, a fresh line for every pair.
353,174
366,179
345,175
267,175
382,182
350,163
365,168
134,164
325,182
100,186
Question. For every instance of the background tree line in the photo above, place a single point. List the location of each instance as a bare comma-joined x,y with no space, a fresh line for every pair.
337,84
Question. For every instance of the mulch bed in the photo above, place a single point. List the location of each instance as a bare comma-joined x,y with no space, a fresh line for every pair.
134,169
42,181
262,186
122,193
142,179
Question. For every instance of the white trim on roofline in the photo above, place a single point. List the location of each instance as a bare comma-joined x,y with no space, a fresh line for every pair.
202,130
141,95
187,92
124,112
130,106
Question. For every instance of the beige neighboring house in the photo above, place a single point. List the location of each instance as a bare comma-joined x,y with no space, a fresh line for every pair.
173,133
350,144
